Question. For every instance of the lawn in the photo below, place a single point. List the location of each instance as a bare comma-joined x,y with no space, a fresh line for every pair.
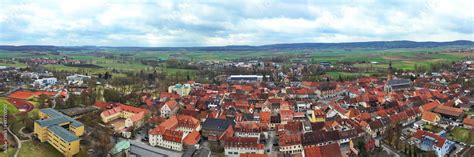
37,149
432,128
462,135
9,152
11,109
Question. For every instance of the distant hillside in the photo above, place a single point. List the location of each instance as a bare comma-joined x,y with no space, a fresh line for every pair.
289,46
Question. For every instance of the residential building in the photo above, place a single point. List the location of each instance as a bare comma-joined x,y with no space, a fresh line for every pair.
175,132
234,146
169,108
428,141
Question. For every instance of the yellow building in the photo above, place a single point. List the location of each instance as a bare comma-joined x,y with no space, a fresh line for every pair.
59,130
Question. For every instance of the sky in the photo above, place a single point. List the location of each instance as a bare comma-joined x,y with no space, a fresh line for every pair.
164,23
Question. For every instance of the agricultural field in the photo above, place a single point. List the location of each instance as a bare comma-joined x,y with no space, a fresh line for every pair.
401,58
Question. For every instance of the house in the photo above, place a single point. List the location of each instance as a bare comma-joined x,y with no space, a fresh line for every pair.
428,141
468,123
449,112
330,150
175,132
213,128
251,129
430,117
234,146
289,143
375,128
430,106
169,108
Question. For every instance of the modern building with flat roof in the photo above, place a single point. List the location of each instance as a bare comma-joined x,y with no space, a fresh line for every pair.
248,78
59,130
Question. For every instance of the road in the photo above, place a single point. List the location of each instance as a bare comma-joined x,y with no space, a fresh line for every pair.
391,151
17,141
270,141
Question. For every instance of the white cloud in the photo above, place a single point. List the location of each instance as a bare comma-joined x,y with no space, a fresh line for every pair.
192,23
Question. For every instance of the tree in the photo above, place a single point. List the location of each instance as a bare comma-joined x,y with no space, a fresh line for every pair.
42,100
113,96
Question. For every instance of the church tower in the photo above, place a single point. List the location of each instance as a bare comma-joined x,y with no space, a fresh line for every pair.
390,71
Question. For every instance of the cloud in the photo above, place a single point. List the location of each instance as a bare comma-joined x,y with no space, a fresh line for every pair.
213,23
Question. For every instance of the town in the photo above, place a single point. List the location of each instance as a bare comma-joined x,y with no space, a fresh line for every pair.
249,108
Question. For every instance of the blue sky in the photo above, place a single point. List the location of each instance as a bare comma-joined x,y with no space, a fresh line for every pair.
233,22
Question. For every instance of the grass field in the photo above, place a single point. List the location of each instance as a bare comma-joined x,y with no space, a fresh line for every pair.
37,149
11,109
8,153
462,135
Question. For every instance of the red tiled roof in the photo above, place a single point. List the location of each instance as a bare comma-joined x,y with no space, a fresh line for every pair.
430,116
420,133
192,138
265,117
330,150
452,111
430,106
468,121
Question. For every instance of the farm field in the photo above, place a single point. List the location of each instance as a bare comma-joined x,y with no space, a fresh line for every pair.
405,59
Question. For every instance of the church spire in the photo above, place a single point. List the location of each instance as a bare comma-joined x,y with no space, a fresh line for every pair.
390,71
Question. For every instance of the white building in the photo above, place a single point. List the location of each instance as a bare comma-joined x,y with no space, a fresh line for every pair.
180,89
45,82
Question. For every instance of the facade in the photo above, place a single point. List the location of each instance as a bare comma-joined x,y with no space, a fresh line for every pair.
175,132
51,128
169,108
290,143
234,146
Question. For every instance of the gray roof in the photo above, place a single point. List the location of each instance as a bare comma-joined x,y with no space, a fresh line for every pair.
217,124
63,133
398,82
52,121
51,112
56,118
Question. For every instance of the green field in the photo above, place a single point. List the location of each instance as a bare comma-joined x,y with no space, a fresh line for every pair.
37,149
462,135
11,109
401,58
